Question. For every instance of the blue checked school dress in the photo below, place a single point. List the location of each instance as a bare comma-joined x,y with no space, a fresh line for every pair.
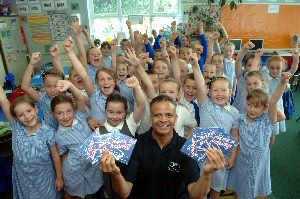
225,117
250,176
80,176
33,173
45,102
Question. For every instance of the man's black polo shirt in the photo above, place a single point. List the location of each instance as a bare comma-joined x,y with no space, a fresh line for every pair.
157,173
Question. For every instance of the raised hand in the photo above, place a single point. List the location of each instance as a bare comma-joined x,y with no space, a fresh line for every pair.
154,33
172,51
132,82
63,85
54,51
161,32
108,164
220,25
128,23
295,54
215,160
249,45
193,59
85,30
145,38
163,43
35,58
75,26
215,36
114,44
285,77
259,52
131,58
69,44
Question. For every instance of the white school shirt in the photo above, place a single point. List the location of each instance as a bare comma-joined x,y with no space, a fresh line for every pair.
186,118
132,126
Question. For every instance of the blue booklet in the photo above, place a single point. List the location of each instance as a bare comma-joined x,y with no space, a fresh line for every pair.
119,145
202,138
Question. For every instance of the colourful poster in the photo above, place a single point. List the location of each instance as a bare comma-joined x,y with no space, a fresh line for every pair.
59,25
39,27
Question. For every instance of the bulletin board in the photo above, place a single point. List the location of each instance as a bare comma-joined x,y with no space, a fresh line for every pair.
250,21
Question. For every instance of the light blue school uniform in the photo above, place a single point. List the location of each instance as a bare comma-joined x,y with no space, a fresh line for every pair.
229,71
106,62
98,101
241,82
240,101
33,174
45,102
225,117
80,176
127,93
273,84
92,70
250,176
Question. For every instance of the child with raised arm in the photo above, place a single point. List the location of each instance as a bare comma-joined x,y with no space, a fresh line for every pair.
229,66
51,77
118,119
80,176
34,149
217,112
276,65
200,48
149,82
106,83
250,177
252,63
92,60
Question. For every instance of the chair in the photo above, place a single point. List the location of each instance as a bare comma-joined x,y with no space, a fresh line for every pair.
294,82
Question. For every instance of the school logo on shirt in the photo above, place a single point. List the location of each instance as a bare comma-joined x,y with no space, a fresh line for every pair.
173,166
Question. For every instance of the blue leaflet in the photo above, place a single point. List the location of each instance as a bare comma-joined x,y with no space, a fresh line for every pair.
202,138
119,145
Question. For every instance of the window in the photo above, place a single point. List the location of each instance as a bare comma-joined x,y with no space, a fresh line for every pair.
108,17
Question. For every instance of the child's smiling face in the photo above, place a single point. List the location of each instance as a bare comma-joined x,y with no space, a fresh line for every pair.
95,57
106,83
122,72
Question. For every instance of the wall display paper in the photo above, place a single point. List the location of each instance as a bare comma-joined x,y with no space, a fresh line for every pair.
48,5
8,34
23,19
21,1
61,5
14,24
39,27
3,24
35,8
33,1
59,25
23,9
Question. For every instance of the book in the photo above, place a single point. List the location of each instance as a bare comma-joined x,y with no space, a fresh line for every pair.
202,138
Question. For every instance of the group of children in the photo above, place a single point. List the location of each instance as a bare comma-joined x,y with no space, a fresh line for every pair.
108,92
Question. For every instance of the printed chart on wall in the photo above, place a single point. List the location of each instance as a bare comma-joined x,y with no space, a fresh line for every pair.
59,25
39,27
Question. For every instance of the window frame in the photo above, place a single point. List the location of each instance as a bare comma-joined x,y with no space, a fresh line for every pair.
118,15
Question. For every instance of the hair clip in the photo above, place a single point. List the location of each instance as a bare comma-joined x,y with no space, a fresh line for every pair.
43,73
211,80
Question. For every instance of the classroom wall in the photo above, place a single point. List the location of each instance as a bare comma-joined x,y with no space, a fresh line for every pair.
250,21
41,47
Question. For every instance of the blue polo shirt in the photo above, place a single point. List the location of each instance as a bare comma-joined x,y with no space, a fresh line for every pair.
160,173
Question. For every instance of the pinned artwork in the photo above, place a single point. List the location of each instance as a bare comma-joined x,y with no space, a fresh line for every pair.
119,145
202,138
